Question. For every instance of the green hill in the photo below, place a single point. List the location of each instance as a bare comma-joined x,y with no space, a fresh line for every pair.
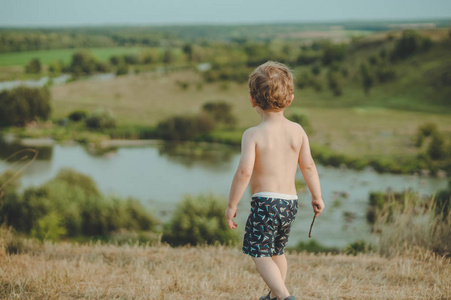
416,76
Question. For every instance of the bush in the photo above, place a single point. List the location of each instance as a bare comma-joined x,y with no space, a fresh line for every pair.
198,221
183,128
303,80
83,62
56,67
437,149
425,130
100,119
367,77
313,247
34,66
385,73
333,53
71,205
221,112
122,69
358,247
22,105
334,83
78,115
316,69
49,227
410,43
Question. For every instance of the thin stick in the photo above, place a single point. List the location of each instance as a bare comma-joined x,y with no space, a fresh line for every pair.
311,226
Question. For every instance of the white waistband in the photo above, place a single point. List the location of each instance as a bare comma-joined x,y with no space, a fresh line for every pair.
276,195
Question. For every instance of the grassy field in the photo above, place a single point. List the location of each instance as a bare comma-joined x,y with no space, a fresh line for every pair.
96,271
146,99
64,55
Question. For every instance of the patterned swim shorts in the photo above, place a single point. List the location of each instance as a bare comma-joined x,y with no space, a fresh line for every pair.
268,225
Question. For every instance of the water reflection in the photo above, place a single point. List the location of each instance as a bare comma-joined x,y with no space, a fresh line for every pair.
9,146
211,156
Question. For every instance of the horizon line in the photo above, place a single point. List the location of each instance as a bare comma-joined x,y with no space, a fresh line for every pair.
160,24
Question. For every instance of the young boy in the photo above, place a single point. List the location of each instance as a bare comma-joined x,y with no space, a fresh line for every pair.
270,153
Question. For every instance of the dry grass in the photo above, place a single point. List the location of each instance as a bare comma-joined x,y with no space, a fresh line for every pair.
73,271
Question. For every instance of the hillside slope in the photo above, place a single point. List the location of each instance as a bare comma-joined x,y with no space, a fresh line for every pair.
73,271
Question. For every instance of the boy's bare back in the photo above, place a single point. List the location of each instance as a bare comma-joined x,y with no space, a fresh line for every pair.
278,143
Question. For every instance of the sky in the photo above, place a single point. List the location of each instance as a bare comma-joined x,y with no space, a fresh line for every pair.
15,13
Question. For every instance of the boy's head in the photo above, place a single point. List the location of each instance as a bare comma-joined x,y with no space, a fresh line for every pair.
271,86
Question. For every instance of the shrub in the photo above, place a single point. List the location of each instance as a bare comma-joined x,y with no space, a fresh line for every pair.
410,43
316,69
122,69
316,84
425,130
437,148
313,247
334,83
49,227
385,73
78,115
21,105
83,62
56,67
70,204
103,67
357,247
100,119
182,128
303,80
221,112
198,221
333,53
34,66
367,77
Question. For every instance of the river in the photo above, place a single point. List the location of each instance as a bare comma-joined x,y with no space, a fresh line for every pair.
160,177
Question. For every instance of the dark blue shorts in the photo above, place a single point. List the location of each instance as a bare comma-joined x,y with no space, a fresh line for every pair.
268,226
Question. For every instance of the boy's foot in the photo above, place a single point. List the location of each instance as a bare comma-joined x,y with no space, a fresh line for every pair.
290,298
267,297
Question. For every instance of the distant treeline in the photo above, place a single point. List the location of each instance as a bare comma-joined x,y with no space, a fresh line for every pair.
27,39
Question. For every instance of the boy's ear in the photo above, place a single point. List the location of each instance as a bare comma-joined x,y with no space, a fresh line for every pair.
291,100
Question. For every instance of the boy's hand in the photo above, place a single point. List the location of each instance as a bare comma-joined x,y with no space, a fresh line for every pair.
230,213
318,206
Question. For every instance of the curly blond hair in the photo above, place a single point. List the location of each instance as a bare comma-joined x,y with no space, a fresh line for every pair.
271,85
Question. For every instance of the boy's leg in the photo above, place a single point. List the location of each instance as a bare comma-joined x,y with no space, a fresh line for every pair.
272,276
281,262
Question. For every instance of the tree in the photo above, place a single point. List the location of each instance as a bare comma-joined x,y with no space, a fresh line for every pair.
334,83
367,77
333,52
188,50
33,67
21,105
83,62
168,56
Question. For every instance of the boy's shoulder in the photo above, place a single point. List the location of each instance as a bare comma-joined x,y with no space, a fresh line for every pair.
255,131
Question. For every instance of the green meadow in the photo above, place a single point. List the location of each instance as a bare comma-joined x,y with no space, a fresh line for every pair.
63,55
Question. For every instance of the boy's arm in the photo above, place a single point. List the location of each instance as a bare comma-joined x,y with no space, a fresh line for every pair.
242,176
308,169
